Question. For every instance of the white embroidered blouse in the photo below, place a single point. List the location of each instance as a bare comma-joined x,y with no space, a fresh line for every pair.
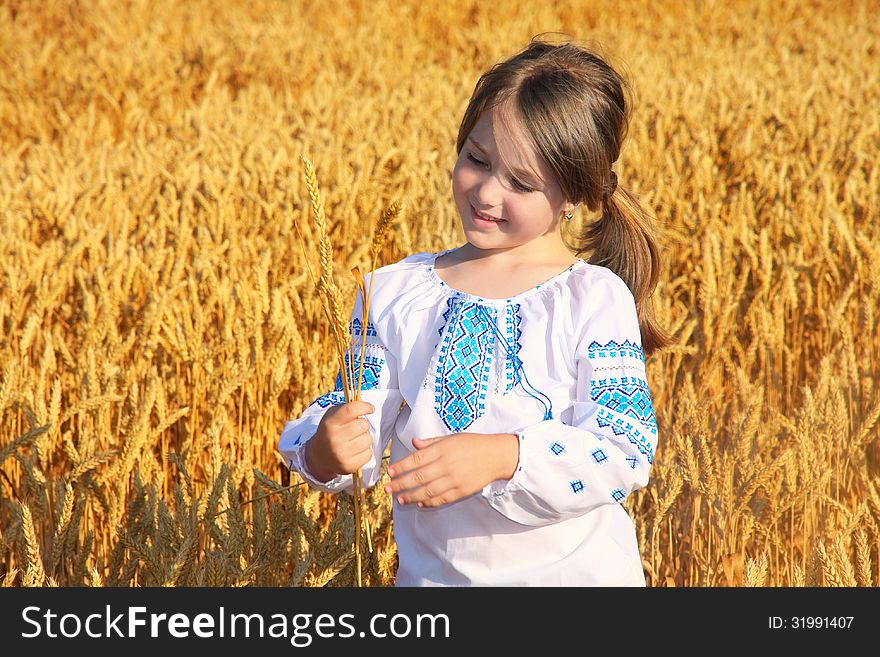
562,367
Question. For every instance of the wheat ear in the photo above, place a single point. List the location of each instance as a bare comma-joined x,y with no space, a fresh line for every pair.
332,303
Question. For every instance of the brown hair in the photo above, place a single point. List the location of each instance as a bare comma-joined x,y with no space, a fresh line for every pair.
574,107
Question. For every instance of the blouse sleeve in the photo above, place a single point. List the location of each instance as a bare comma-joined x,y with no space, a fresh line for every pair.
379,387
607,450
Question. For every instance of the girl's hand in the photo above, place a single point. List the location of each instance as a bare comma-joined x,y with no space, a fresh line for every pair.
447,468
342,443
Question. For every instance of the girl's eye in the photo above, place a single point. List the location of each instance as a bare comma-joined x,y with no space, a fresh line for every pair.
516,183
475,160
520,186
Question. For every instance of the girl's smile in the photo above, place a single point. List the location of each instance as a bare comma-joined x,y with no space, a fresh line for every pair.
483,220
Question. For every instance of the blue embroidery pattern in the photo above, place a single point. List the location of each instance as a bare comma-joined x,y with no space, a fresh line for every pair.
636,437
372,371
627,395
599,456
624,401
464,365
618,494
354,327
465,361
615,349
576,486
513,334
557,448
633,461
330,399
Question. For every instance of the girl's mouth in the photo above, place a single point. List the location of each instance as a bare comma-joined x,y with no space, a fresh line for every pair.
484,220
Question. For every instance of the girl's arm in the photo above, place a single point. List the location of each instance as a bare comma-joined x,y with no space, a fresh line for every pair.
606,450
380,388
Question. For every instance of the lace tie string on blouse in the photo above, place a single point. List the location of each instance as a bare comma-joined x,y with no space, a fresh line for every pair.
518,368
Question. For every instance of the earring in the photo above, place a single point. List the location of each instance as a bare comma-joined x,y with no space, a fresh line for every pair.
568,216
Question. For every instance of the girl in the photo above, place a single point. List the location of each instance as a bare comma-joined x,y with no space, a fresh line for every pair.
528,418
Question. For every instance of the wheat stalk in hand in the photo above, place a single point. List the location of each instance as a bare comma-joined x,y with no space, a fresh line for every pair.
332,304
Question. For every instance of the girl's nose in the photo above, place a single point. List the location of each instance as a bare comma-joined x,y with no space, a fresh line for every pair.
488,192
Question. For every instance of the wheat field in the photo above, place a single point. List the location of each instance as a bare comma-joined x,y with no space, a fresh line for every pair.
158,325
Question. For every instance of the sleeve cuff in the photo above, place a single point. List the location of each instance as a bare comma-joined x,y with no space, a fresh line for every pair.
291,445
496,490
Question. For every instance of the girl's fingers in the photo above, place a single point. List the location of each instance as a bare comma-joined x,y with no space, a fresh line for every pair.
414,461
365,456
433,487
414,478
409,481
439,497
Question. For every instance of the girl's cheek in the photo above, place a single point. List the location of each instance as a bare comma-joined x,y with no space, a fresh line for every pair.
459,170
461,182
456,176
463,179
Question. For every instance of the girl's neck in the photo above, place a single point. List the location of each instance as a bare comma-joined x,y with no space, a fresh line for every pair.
523,256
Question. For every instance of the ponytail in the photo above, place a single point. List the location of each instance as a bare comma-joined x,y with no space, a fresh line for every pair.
623,241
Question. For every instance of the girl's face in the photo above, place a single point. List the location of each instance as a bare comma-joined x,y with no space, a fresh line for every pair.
500,176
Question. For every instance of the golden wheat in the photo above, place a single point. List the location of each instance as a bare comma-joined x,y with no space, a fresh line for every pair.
161,321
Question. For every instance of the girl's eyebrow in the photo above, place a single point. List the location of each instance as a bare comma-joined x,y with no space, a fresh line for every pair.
517,172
